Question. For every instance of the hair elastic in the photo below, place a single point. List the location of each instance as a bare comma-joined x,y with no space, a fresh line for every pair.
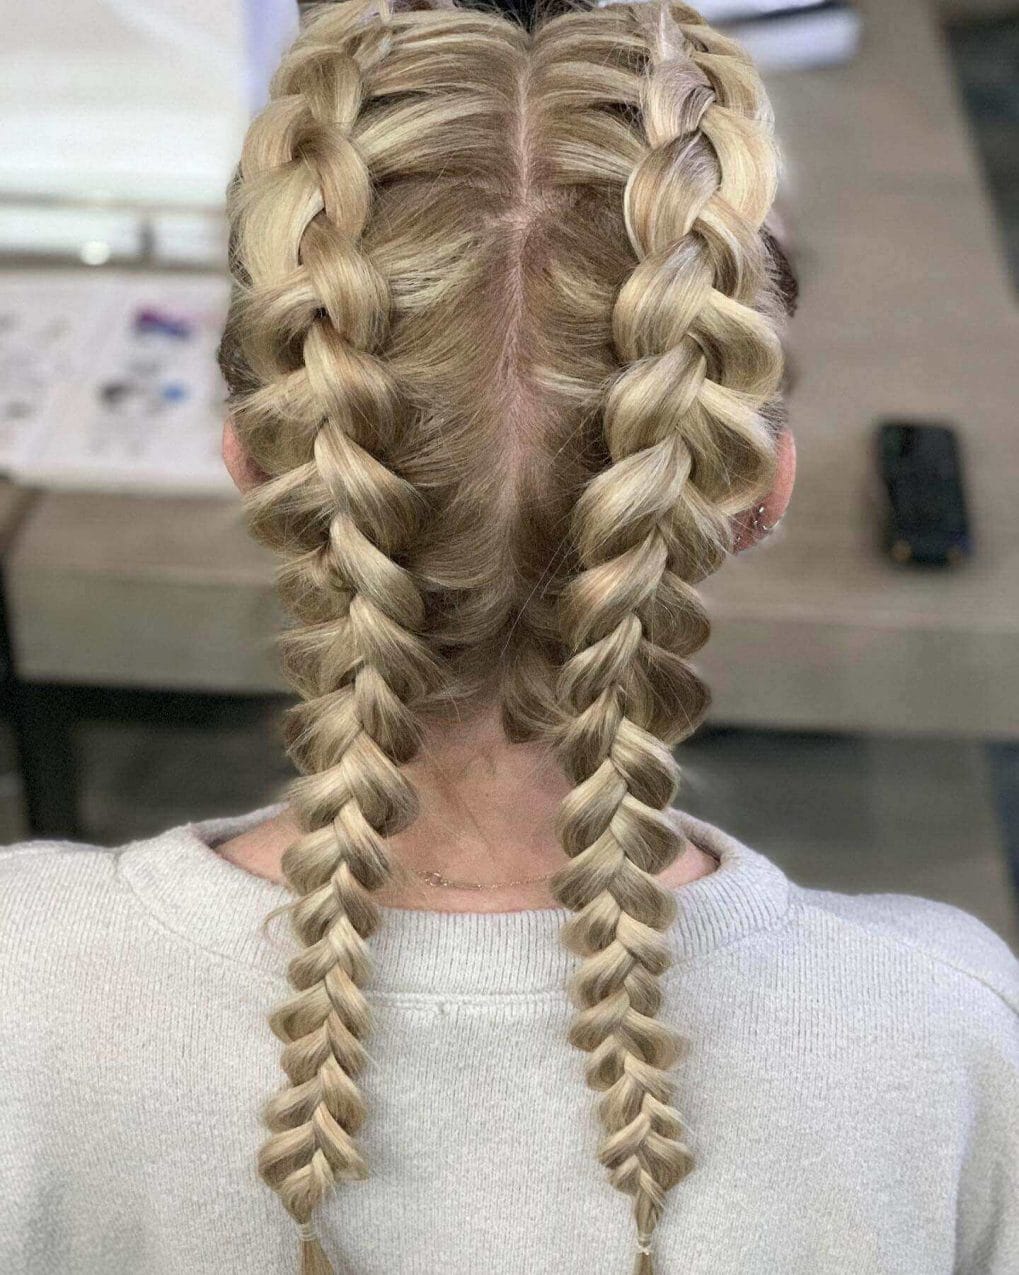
307,1231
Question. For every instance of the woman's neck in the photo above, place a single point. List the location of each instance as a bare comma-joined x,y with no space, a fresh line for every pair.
486,819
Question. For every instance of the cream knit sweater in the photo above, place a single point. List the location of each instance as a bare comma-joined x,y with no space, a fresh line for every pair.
851,1083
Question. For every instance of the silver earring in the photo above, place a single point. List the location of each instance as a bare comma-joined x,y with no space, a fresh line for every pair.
757,528
757,525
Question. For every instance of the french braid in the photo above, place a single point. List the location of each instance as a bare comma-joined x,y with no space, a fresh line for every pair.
314,309
688,447
503,343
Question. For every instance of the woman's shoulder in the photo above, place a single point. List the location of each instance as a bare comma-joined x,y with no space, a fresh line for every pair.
35,876
61,945
27,866
112,918
78,888
64,901
936,940
86,947
54,895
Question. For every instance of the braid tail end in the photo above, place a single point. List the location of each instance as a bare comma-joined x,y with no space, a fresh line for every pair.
643,1263
313,1260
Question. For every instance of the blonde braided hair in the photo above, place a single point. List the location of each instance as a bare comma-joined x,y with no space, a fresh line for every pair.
688,447
503,342
313,311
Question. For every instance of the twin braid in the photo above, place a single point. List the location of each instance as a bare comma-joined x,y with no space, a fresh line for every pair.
314,310
657,113
688,447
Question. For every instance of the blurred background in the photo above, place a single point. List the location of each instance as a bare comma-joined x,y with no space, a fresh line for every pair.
865,726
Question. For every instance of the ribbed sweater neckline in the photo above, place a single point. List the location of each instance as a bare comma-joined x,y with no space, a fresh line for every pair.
220,907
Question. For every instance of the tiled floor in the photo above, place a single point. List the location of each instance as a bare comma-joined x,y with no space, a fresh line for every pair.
838,812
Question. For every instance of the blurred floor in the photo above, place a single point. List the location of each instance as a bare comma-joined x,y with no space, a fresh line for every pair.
838,812
985,55
866,814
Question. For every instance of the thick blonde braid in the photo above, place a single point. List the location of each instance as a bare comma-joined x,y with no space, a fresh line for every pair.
324,411
688,447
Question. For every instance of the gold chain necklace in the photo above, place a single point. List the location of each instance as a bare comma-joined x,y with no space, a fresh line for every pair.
433,877
436,878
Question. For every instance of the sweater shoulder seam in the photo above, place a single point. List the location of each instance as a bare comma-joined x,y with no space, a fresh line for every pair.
119,881
901,942
171,932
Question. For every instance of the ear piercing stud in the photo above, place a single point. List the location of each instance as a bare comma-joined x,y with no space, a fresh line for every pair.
758,529
757,525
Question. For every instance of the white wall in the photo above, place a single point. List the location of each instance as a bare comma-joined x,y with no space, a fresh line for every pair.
142,99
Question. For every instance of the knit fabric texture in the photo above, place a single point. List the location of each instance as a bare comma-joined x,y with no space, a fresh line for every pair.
850,1080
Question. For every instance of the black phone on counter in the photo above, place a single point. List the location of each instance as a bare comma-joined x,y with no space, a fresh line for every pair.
927,523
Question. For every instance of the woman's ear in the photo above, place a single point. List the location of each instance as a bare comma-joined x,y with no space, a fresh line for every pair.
777,500
239,465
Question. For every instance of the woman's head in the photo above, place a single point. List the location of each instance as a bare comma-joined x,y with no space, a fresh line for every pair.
503,357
